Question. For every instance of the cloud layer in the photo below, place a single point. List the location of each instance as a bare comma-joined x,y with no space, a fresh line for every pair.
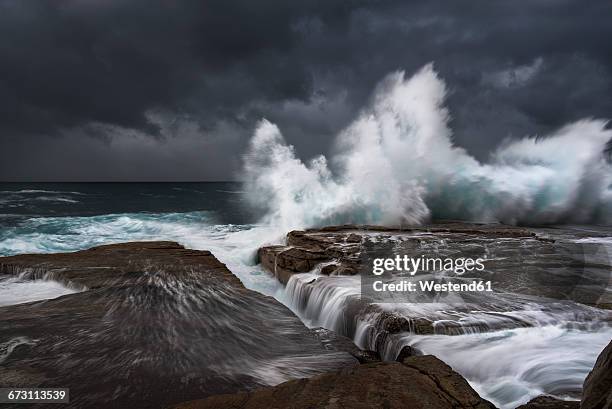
160,90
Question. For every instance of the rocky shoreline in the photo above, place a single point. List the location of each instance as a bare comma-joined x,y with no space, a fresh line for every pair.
153,324
156,325
417,382
325,255
338,251
420,382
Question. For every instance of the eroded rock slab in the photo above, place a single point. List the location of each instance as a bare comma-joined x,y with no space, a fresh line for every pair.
553,269
337,249
422,382
154,324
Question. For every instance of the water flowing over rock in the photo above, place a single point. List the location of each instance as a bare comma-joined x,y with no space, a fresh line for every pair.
318,266
549,310
153,324
422,382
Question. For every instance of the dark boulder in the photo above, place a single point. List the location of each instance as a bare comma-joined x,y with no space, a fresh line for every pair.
597,389
548,402
367,356
334,341
422,382
406,352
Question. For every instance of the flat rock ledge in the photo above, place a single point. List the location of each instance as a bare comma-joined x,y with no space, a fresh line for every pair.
122,264
336,251
153,324
422,382
338,247
339,251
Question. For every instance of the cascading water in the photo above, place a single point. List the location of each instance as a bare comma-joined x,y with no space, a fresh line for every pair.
15,290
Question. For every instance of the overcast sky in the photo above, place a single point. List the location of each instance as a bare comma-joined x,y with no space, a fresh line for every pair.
171,90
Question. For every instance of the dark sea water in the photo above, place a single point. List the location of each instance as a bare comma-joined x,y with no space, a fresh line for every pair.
223,199
508,367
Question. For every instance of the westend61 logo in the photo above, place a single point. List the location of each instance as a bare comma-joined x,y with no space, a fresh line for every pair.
482,270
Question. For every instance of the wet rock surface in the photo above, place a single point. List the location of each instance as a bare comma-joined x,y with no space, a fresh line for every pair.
548,402
422,382
154,324
554,286
597,390
519,264
337,342
549,267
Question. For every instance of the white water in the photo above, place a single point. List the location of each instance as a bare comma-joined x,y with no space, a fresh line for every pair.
396,163
7,348
14,290
511,367
235,245
508,367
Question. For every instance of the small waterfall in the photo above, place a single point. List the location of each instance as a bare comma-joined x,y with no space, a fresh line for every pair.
324,303
19,284
335,303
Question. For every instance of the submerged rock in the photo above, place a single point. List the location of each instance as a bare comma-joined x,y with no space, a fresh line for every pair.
422,382
337,342
153,324
367,356
597,390
407,352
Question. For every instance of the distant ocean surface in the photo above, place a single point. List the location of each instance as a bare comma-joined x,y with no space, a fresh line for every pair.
51,217
19,201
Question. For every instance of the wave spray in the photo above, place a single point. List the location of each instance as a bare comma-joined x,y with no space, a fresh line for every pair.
398,165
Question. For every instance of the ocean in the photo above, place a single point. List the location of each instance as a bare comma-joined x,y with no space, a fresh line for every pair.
57,217
507,367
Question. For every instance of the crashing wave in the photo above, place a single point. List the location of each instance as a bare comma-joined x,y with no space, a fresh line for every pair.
398,165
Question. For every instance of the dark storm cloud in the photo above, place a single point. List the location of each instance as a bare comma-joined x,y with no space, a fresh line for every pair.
171,90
